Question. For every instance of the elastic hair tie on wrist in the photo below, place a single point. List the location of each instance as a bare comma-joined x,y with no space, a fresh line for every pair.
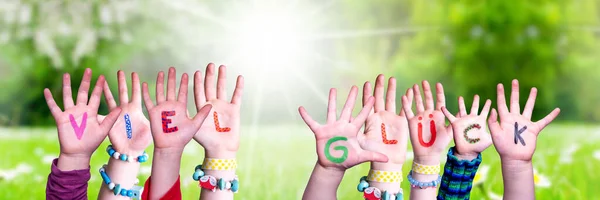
423,185
134,193
373,193
425,169
210,182
120,156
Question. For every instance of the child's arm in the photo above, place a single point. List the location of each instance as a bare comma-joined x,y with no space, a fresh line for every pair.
219,136
515,139
385,132
471,138
79,135
130,135
172,129
429,136
337,146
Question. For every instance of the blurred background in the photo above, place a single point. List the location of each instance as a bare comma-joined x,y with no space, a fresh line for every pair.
291,52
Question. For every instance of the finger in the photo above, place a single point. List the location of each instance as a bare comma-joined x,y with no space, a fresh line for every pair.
160,87
54,109
501,100
123,96
349,105
418,99
147,100
390,104
370,156
109,120
441,97
312,124
493,123
448,115
183,89
530,104
84,87
209,82
407,104
110,100
486,108
366,92
461,106
379,86
67,92
201,115
331,107
514,97
199,97
239,90
222,83
549,118
171,84
475,106
364,113
135,87
428,95
97,93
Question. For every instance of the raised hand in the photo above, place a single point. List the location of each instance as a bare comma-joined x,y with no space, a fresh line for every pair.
131,132
171,126
337,143
470,132
515,136
220,134
428,133
385,131
79,131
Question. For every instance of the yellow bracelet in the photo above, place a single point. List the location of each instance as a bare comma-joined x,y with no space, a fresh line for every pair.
425,169
219,164
384,176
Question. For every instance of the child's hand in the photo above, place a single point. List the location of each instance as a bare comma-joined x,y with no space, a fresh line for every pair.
79,131
131,132
171,126
337,143
515,136
385,131
429,134
220,134
470,133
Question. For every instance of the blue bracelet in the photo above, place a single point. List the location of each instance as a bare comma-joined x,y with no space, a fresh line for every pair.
375,193
134,193
120,156
416,184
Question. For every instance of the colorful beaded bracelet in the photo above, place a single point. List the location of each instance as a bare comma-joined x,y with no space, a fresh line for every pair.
421,185
210,182
120,156
134,193
373,193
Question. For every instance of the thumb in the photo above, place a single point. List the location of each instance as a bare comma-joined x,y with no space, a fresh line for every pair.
109,120
493,123
372,157
201,115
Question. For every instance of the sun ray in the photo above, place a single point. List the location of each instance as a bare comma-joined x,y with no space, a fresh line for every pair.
353,34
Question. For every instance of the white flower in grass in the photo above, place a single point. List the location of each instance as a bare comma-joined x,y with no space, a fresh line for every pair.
481,175
566,155
9,174
597,154
145,170
494,196
410,155
47,159
541,180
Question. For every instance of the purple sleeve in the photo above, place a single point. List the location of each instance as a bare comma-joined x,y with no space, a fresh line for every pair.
67,184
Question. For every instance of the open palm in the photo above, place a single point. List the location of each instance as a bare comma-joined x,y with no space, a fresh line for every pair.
470,132
221,132
131,132
337,143
171,126
515,135
385,131
79,131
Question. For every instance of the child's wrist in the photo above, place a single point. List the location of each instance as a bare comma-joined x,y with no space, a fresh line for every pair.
69,162
427,160
386,166
516,166
465,155
220,154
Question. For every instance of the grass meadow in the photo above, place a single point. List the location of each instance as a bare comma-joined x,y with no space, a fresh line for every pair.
276,163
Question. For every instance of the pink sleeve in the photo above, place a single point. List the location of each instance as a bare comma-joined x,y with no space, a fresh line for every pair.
67,184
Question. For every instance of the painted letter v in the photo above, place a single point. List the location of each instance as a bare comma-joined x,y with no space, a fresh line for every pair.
79,129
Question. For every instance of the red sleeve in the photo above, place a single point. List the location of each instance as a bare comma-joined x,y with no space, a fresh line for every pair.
173,194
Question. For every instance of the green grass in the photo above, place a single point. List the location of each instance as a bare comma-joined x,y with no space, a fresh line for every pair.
276,163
